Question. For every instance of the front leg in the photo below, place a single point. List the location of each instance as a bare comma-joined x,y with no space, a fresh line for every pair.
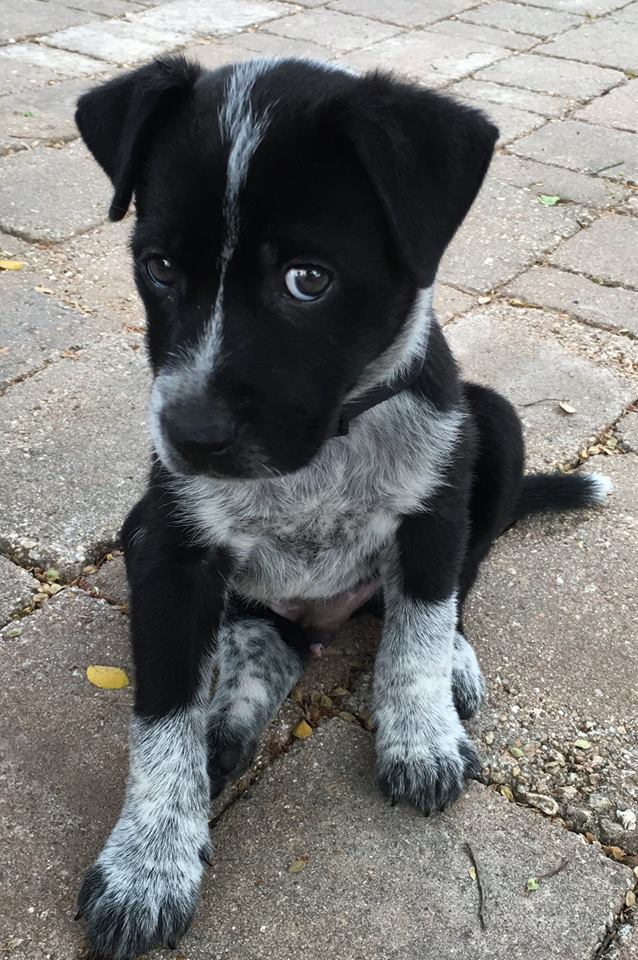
143,888
423,752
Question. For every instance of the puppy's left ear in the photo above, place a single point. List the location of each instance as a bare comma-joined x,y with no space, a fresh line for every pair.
118,119
426,156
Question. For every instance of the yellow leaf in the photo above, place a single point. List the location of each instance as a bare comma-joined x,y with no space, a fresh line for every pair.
107,678
297,866
472,872
11,265
566,407
302,731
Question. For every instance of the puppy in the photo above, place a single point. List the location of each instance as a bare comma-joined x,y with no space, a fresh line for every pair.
315,447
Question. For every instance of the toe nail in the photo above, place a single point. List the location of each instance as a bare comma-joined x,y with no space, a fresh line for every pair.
78,915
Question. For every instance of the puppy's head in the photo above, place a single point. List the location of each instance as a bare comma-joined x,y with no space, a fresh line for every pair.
287,215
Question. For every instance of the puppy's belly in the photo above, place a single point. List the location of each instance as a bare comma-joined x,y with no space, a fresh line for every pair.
326,616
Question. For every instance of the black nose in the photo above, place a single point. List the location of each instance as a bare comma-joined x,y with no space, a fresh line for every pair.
199,435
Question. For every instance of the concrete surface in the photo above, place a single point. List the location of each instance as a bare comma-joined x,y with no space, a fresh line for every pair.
538,300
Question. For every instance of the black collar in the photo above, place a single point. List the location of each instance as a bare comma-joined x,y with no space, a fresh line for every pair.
378,395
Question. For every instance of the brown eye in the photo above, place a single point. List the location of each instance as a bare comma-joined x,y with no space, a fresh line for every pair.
161,271
307,282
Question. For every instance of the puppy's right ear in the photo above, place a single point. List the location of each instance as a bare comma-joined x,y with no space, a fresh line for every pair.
118,119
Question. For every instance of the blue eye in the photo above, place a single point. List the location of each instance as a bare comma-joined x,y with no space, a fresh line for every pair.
161,271
307,282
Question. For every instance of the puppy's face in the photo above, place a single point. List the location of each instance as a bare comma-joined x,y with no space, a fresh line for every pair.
276,247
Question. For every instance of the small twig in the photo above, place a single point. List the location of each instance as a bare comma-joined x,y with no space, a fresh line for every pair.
532,403
551,873
610,166
481,906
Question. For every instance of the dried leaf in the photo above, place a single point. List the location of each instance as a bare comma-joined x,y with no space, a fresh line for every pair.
298,865
516,752
566,407
616,852
107,678
472,872
582,744
52,574
11,265
532,884
548,201
13,632
630,899
507,793
483,300
340,692
302,731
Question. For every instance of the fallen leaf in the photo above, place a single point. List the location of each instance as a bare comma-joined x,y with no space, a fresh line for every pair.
507,793
548,201
483,300
11,265
107,678
630,899
302,731
472,872
616,852
532,884
516,752
582,744
52,574
566,407
13,632
298,865
340,692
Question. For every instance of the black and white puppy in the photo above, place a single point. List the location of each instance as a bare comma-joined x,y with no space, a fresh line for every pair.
314,444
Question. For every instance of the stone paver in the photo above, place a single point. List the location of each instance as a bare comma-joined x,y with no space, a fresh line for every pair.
525,19
591,8
25,66
485,34
505,230
330,28
201,18
449,302
40,114
74,455
483,91
35,328
48,194
545,179
511,122
17,587
521,355
30,19
610,307
425,57
608,43
406,13
382,881
628,429
585,147
607,250
549,75
116,41
618,108
244,46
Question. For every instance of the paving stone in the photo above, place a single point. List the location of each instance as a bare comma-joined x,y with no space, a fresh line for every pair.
17,587
74,455
550,75
35,329
338,31
607,250
25,65
424,57
201,18
482,91
109,581
511,122
31,18
64,762
585,147
609,307
406,13
449,302
506,230
591,8
628,429
382,881
271,45
94,272
116,41
545,179
628,13
523,356
485,34
552,619
606,42
48,194
525,19
41,114
618,108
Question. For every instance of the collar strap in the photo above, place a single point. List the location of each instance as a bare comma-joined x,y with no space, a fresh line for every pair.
377,395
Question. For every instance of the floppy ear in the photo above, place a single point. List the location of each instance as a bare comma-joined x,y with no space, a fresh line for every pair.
426,156
118,119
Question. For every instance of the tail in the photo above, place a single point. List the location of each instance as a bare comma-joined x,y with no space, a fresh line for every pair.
542,492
